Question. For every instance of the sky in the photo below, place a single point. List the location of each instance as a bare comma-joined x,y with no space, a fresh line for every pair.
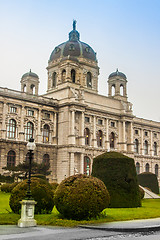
125,34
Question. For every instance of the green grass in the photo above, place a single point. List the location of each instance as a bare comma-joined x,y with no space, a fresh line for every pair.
4,202
150,209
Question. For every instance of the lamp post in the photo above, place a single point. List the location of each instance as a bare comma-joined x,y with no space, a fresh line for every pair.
28,205
30,147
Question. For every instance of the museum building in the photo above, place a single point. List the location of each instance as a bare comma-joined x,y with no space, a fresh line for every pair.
71,123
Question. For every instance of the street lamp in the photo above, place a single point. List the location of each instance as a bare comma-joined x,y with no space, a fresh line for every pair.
30,147
28,204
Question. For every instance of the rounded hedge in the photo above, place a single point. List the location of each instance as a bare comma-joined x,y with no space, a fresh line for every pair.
81,197
54,185
149,180
118,172
41,192
7,187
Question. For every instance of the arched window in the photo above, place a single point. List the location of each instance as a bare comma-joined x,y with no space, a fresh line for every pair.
33,89
138,168
11,129
87,166
29,131
112,140
24,88
11,158
73,75
136,146
54,78
99,138
89,80
63,75
155,148
147,167
121,90
113,90
156,169
46,131
86,135
145,147
46,159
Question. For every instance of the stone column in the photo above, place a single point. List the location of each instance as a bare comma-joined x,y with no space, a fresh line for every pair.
54,133
94,132
71,163
73,122
21,132
3,130
124,136
3,157
151,145
39,135
82,163
72,128
132,140
55,124
119,143
82,130
68,74
142,152
107,136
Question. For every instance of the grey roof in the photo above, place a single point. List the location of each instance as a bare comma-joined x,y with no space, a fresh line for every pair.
31,74
117,73
73,47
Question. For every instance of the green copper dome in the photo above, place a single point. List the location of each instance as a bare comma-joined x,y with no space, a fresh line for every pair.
73,48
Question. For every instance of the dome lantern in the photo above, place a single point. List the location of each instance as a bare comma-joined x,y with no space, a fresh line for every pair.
74,34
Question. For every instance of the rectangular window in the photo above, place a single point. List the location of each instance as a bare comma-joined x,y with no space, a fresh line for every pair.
47,115
100,122
13,109
136,131
112,124
87,119
30,113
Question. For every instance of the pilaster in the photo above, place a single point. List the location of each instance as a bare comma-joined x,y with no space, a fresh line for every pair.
3,130
94,132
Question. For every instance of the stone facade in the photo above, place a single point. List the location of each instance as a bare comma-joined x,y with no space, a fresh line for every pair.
72,123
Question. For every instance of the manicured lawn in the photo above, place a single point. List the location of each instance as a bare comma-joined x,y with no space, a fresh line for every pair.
150,209
4,202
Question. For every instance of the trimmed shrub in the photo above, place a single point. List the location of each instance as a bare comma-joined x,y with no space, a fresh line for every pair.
149,180
41,191
6,179
118,172
39,176
54,185
141,192
81,197
7,187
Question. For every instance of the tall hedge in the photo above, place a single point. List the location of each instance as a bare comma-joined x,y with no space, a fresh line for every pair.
149,180
118,172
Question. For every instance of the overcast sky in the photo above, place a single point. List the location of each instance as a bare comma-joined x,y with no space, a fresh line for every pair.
125,34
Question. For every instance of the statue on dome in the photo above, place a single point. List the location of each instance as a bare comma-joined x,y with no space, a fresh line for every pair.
74,24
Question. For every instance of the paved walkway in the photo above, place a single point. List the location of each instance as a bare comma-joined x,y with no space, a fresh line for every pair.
136,226
143,225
